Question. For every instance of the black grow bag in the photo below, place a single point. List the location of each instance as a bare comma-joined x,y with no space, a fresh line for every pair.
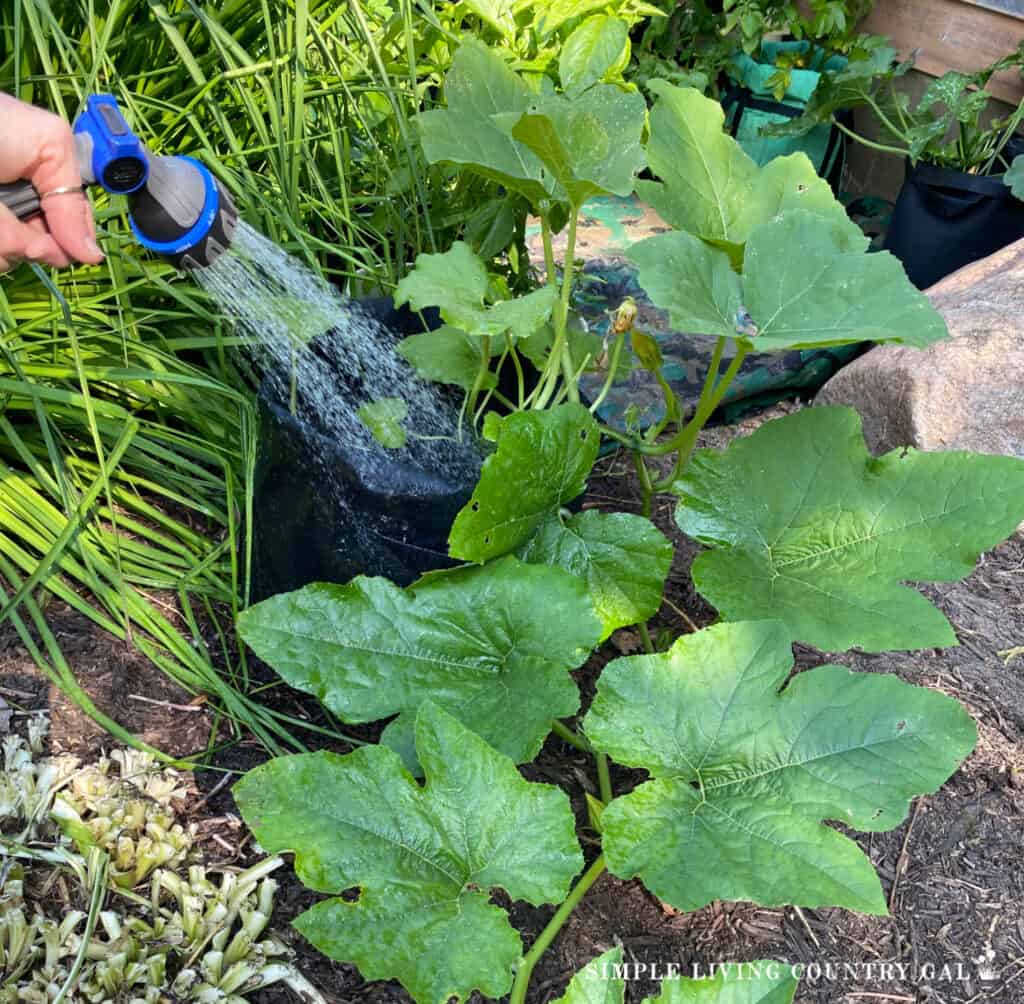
317,518
945,219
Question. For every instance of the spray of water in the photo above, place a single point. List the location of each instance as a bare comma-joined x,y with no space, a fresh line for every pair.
324,357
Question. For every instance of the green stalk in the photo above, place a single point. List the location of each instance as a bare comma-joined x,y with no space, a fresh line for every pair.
604,778
646,486
613,366
561,356
571,737
688,434
645,637
557,922
870,144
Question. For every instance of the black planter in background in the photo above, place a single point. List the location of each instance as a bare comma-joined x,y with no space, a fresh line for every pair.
945,219
317,519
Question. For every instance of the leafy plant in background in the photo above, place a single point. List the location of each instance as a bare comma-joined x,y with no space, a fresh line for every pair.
809,540
948,126
697,41
829,23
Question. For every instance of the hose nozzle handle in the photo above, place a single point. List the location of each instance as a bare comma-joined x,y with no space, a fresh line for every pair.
21,198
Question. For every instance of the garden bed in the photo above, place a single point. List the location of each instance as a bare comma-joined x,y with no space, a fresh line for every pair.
951,873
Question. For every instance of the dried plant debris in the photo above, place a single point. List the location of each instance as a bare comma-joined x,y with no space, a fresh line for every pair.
103,896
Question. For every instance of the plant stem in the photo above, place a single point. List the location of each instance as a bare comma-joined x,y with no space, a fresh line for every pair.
871,144
613,366
604,778
645,637
570,736
688,435
561,357
646,488
543,942
549,251
568,272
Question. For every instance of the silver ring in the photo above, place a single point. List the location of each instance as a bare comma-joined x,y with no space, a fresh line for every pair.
66,190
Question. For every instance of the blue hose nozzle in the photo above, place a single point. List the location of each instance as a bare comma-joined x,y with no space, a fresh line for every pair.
178,209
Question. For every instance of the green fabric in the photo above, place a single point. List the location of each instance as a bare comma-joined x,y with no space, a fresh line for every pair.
755,75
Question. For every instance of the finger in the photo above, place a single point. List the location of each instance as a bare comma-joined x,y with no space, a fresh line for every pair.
68,215
47,251
21,240
69,220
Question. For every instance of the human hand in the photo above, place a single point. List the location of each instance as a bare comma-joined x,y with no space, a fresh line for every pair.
39,147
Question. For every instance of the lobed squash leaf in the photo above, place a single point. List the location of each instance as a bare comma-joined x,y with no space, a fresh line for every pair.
493,645
805,526
834,297
712,189
743,775
419,863
456,282
547,148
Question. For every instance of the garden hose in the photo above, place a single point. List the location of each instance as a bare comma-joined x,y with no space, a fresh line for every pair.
176,206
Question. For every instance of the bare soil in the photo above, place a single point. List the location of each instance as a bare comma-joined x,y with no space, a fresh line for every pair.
952,872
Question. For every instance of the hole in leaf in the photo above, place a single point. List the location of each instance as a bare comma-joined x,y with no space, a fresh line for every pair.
901,725
584,434
487,539
475,506
352,894
876,813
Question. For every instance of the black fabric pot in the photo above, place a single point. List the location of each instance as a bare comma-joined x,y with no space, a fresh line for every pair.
945,219
317,518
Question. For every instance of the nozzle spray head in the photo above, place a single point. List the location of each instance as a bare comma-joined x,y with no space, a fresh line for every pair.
183,212
178,209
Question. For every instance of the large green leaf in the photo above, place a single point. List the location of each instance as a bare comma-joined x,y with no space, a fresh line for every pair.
421,860
478,87
541,462
742,776
805,526
589,144
455,282
623,559
448,355
597,45
832,297
546,147
712,189
492,644
603,981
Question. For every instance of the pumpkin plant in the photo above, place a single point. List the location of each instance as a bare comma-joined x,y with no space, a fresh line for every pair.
809,539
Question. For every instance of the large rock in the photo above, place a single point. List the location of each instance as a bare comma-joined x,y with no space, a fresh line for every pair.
965,393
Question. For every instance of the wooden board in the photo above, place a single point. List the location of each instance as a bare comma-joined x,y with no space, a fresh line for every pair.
954,35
